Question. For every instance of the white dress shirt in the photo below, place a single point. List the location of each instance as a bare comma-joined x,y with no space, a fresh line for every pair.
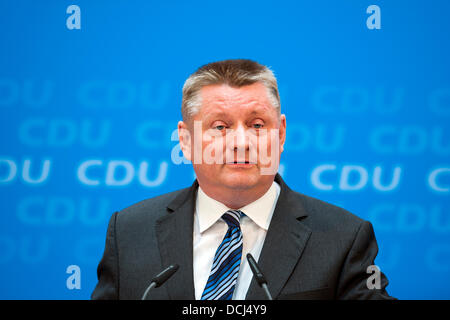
209,231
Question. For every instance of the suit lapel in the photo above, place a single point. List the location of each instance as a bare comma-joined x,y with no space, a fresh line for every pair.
285,241
174,232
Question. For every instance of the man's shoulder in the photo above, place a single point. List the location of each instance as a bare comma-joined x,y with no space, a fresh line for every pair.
325,215
151,208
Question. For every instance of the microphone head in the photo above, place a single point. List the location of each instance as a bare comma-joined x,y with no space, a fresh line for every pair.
164,275
256,271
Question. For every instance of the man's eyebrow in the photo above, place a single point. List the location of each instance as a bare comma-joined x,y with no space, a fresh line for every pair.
259,110
222,114
216,113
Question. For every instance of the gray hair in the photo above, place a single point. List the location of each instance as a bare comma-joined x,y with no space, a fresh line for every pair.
235,73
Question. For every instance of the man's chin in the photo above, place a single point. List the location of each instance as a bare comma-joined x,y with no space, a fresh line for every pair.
241,180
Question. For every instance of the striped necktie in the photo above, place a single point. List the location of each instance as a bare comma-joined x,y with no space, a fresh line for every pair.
227,260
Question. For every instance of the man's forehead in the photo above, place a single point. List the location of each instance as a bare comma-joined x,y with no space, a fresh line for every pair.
223,92
229,111
222,97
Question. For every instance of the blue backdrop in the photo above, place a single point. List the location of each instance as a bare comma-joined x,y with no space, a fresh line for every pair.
87,116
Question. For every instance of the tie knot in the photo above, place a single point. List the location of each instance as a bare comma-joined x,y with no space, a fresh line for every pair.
232,217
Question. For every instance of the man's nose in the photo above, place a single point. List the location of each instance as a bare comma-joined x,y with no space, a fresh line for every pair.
240,139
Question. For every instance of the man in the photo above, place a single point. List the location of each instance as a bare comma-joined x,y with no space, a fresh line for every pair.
234,133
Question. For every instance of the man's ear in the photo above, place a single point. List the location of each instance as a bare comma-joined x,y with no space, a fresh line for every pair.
184,136
282,132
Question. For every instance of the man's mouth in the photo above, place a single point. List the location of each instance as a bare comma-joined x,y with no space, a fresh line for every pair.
241,162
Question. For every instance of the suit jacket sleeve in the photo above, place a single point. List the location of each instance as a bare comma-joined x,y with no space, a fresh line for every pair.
108,270
354,275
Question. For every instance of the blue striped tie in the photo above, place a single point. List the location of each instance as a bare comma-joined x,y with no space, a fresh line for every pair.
227,260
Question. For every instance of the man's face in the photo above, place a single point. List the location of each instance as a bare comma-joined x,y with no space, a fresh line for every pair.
236,138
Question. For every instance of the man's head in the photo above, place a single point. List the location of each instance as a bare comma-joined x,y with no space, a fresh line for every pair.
235,73
232,129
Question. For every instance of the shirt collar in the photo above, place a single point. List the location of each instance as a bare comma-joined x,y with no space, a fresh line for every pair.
209,210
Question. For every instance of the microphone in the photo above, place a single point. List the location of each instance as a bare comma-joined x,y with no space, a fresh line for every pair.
160,278
258,275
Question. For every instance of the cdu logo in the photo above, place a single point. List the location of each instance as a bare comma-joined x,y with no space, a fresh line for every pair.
119,173
28,93
31,171
64,132
121,95
328,177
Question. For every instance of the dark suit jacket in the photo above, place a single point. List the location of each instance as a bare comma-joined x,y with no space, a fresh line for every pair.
313,250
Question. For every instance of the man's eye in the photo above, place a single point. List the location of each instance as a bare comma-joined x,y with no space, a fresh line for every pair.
258,125
220,127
